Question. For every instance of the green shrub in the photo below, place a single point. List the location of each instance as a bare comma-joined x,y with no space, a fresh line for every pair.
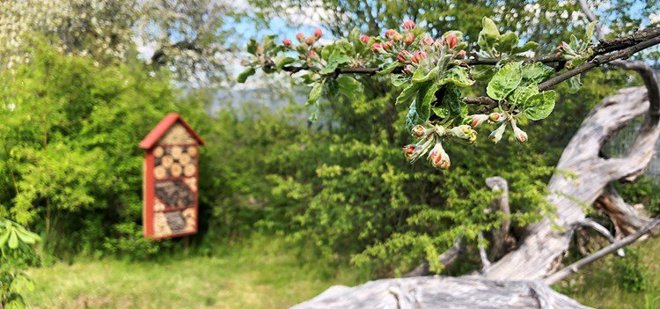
630,272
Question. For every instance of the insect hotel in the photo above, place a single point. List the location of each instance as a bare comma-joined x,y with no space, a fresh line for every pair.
170,179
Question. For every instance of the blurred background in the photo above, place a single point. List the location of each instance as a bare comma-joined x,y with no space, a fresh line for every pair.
287,207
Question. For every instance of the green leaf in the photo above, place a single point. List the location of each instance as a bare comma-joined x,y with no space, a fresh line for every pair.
588,34
4,236
252,46
245,74
458,76
349,87
281,61
13,240
389,68
575,83
540,106
536,73
441,111
420,110
407,94
453,98
506,42
315,93
505,81
488,35
269,41
528,46
421,76
522,94
398,80
336,58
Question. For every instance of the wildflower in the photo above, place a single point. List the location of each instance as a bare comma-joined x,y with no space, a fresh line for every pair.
365,38
286,42
312,54
310,40
409,25
318,33
403,56
410,38
477,119
496,135
300,37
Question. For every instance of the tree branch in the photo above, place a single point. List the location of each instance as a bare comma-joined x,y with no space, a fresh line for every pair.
446,258
599,60
575,267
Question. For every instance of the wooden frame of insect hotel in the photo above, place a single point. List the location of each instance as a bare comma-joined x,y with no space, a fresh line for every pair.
171,176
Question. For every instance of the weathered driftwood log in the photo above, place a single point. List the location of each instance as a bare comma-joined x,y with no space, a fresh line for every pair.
441,292
581,178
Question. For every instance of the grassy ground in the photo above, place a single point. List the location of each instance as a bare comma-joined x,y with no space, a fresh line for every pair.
598,285
260,274
264,274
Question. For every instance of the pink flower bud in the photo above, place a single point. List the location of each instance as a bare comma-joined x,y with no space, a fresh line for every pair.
300,37
390,33
286,42
520,135
318,33
409,151
403,56
439,158
365,38
397,37
310,40
451,40
427,40
477,119
410,38
496,117
419,131
496,135
378,48
388,45
464,132
408,69
312,54
409,25
460,54
418,57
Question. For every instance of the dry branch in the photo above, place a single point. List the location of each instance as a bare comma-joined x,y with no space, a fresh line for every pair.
575,267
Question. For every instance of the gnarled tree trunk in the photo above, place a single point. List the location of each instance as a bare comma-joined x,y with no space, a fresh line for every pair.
582,178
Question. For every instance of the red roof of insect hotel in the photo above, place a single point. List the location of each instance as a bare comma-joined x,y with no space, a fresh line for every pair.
150,140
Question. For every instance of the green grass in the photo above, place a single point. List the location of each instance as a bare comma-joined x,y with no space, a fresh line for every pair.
261,273
265,273
598,284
